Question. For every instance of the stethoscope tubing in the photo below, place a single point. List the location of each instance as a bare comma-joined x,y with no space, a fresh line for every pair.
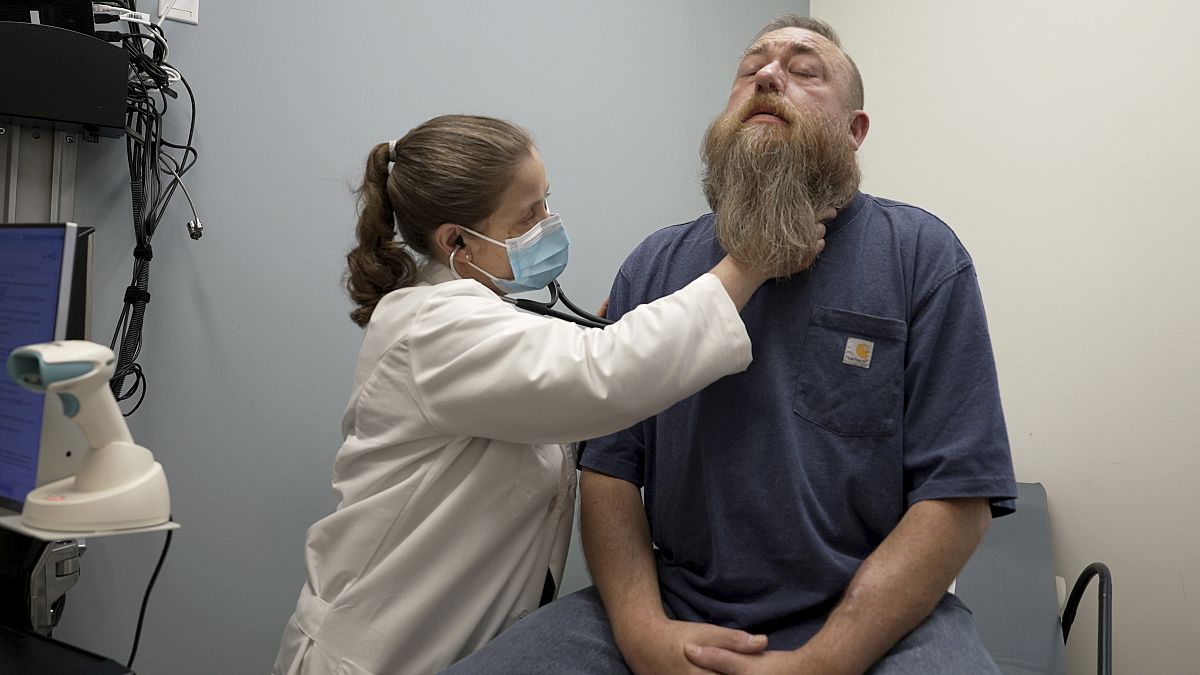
579,317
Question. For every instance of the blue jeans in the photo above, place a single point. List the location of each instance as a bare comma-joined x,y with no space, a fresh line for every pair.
572,635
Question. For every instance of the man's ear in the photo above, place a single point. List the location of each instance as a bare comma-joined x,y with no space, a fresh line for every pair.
860,123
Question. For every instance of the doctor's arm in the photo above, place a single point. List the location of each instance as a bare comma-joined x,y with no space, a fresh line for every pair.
616,541
481,368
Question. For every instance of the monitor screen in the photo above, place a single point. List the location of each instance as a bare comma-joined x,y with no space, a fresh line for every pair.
44,296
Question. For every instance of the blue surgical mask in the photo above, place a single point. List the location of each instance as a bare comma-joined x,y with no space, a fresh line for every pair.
536,257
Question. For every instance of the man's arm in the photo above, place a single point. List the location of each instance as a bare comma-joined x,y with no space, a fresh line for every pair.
894,590
899,584
616,541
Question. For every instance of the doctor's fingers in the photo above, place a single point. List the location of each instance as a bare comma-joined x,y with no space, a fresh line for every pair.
817,247
826,215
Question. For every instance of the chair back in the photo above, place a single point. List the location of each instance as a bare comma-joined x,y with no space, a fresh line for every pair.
1009,585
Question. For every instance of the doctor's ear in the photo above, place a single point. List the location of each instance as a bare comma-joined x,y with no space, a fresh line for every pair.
446,239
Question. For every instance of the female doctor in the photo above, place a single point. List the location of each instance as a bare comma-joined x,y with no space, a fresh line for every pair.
456,480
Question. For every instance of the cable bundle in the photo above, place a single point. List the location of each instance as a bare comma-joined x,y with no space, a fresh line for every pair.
156,169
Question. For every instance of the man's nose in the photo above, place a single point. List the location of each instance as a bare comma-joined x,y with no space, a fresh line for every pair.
769,78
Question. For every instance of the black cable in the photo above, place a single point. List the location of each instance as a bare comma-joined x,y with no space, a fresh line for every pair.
137,634
160,44
155,175
131,340
187,147
140,386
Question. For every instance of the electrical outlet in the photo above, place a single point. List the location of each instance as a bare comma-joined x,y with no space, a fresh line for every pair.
187,11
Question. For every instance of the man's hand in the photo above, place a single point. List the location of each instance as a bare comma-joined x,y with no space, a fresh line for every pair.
616,539
659,648
728,662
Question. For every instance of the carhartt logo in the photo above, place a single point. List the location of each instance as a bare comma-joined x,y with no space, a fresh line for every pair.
858,353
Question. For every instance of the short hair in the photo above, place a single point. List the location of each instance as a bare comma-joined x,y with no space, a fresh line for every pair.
826,31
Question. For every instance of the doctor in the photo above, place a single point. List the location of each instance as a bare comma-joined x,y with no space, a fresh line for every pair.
456,480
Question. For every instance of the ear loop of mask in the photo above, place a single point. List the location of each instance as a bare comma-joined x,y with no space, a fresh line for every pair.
454,270
484,237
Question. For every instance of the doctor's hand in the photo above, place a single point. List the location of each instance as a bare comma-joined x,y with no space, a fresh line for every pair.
826,215
742,279
823,217
603,311
658,649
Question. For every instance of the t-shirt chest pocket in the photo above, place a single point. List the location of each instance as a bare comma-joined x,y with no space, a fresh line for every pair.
851,375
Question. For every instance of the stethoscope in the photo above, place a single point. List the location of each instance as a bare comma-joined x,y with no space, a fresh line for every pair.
578,315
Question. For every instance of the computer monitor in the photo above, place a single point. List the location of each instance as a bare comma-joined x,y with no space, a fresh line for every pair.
45,295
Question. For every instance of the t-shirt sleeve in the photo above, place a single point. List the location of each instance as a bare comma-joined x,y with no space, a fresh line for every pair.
622,454
955,442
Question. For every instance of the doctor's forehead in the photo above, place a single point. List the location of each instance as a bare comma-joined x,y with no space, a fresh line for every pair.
528,186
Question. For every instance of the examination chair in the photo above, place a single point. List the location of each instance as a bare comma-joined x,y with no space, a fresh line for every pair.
1010,586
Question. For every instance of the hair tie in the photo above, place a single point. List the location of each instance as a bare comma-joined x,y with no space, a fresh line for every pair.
392,150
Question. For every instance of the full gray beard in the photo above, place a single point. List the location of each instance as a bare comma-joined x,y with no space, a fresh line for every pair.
766,184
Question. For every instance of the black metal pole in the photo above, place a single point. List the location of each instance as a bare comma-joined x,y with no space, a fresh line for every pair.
1104,622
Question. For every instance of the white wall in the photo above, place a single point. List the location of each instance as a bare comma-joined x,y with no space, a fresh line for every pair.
1059,140
249,351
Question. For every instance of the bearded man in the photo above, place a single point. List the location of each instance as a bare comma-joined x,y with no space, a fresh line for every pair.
807,515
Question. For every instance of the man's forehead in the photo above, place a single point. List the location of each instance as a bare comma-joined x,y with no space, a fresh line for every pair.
800,37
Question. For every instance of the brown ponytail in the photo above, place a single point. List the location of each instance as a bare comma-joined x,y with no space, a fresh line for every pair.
451,169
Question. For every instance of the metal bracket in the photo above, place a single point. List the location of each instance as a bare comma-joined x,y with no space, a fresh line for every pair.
56,571
37,173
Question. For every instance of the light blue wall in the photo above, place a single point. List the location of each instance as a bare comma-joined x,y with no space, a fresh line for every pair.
248,348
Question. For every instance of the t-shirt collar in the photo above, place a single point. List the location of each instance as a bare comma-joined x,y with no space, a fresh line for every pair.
847,214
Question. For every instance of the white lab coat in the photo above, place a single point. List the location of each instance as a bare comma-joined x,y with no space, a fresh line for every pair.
455,495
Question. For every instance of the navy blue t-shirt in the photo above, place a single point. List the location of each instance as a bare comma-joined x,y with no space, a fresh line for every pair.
873,387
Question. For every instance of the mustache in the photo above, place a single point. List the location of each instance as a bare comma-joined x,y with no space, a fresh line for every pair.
771,104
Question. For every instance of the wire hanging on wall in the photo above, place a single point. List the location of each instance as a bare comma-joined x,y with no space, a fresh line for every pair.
156,170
